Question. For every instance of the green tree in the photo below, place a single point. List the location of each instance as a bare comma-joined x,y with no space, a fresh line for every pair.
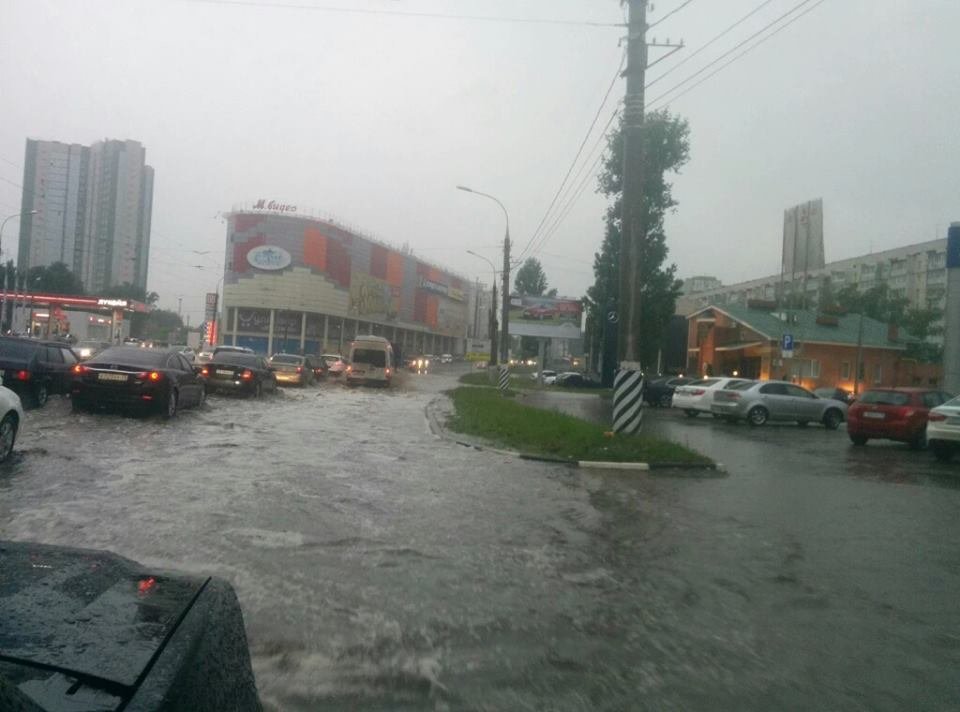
666,150
131,291
56,278
531,280
159,323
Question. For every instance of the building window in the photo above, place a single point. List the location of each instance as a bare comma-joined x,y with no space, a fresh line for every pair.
845,370
814,368
877,374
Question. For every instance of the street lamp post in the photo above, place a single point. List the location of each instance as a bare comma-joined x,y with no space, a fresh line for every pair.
493,310
505,310
3,301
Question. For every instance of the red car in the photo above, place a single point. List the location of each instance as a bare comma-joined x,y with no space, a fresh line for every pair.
893,414
539,313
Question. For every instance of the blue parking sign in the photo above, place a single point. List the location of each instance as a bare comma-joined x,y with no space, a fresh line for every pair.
787,342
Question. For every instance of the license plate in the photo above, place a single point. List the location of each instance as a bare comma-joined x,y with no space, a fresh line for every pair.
224,372
875,416
116,377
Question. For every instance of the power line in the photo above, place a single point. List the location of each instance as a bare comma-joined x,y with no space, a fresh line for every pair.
724,33
674,11
573,163
733,49
736,57
407,13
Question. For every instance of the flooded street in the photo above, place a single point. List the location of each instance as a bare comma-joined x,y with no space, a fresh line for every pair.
382,568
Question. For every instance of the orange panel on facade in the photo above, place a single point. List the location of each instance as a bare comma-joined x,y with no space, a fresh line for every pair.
433,307
314,249
395,269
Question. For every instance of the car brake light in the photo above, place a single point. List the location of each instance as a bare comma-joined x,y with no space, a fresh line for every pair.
145,586
204,371
697,392
23,375
247,374
154,375
936,417
349,369
299,369
80,368
387,371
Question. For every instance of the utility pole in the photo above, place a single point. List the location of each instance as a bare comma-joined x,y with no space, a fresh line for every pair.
493,324
505,316
628,384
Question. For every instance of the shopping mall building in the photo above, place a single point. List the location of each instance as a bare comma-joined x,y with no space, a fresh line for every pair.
297,283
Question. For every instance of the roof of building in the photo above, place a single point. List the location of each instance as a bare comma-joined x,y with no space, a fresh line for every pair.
806,329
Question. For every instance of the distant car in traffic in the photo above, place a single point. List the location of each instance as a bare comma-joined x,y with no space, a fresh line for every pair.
35,369
943,430
446,358
233,349
759,402
893,414
659,391
292,369
840,394
131,378
547,373
248,374
334,363
697,396
370,361
418,364
89,349
11,419
575,379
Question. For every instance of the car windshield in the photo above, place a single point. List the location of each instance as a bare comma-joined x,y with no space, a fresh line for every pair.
885,398
131,356
287,359
371,357
235,359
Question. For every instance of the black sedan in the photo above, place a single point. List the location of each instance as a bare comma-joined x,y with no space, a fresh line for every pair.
233,372
135,378
659,391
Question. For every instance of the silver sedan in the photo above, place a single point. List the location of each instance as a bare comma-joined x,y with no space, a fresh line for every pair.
761,401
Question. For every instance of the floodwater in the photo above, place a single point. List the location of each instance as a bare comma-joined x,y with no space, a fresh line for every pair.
380,568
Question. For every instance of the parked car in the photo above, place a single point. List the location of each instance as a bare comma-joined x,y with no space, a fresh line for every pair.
292,369
943,430
88,349
231,372
139,379
697,396
761,401
547,373
840,394
893,414
575,379
370,361
446,358
334,363
35,369
659,391
10,421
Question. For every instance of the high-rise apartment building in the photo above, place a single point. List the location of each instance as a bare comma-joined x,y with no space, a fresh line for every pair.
93,209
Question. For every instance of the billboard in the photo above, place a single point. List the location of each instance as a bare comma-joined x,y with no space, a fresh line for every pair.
803,239
545,317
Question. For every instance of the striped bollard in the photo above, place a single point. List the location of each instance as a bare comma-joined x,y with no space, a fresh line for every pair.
503,381
627,401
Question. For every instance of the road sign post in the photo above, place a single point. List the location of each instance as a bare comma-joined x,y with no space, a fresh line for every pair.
503,381
786,346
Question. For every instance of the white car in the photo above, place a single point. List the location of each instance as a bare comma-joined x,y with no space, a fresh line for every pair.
697,397
549,376
10,421
943,430
446,358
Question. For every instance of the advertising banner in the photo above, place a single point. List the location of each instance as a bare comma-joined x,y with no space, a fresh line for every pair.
545,317
211,306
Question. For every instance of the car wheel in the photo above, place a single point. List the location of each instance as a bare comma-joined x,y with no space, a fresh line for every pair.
8,435
690,413
757,416
803,423
941,450
171,411
41,395
665,401
832,419
859,439
919,441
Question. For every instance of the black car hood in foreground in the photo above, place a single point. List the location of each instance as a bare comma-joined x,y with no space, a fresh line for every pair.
85,630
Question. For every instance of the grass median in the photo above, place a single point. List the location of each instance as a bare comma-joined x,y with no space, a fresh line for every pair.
483,412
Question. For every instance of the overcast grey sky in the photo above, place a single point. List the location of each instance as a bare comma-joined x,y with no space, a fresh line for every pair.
375,119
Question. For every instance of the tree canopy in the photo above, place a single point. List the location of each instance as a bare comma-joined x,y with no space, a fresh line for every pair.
531,280
666,150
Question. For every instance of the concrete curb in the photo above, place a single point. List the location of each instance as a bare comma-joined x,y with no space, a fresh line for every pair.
436,427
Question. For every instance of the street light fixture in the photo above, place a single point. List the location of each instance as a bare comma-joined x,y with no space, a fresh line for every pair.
493,309
3,301
505,310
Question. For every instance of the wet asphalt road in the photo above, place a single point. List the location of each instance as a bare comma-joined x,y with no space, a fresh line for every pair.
381,568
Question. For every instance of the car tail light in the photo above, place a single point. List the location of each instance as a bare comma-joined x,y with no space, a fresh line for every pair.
23,375
387,371
204,371
247,374
80,368
937,417
299,369
155,375
697,392
349,369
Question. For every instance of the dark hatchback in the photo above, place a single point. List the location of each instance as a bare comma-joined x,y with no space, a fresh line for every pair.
138,379
233,372
35,370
